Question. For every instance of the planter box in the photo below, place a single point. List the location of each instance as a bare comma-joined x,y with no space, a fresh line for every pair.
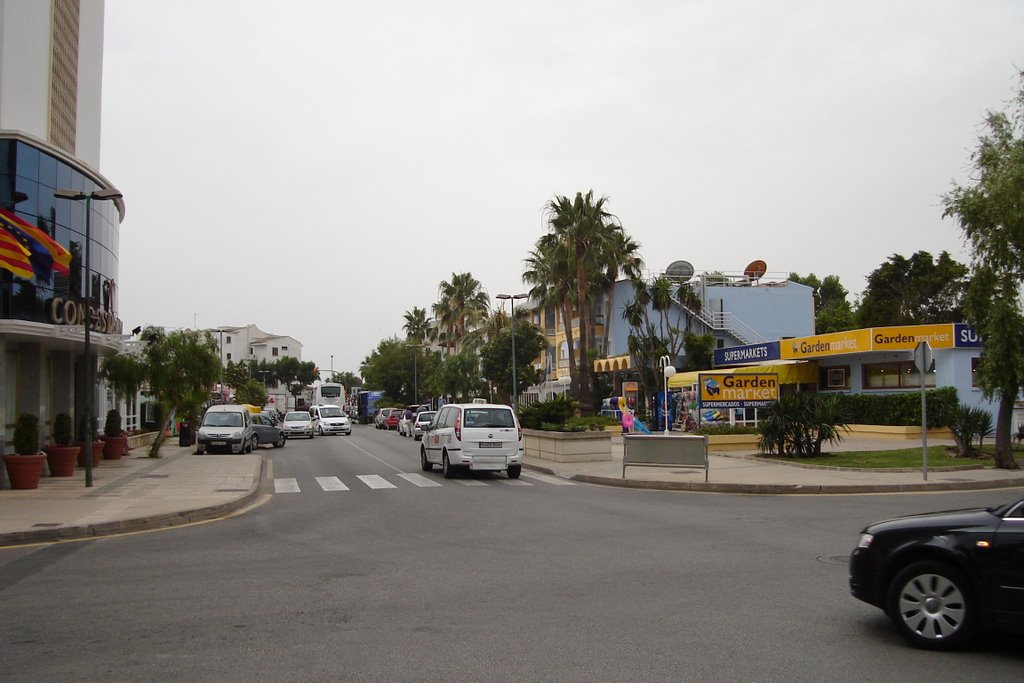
733,442
898,432
614,430
568,446
139,440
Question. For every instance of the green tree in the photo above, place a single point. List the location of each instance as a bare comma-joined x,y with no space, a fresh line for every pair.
252,392
180,368
416,326
461,306
496,358
236,374
699,351
347,380
458,376
990,213
914,291
832,309
550,276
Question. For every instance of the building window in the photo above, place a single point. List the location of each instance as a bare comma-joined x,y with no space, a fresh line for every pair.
229,356
834,378
227,339
284,348
902,375
975,362
273,351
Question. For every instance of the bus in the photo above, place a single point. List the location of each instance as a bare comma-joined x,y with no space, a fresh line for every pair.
329,393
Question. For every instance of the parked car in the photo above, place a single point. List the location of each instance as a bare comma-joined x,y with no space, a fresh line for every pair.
272,416
378,417
298,423
473,436
944,577
420,423
405,420
267,432
226,427
330,419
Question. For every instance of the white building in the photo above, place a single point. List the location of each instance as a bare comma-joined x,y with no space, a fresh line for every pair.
250,343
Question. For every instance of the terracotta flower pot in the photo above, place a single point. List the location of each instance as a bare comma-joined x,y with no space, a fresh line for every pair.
115,447
62,459
24,471
97,453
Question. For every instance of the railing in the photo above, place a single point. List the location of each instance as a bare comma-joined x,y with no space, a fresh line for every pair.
725,322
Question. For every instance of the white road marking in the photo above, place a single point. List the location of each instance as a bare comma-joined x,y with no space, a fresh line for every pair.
417,479
514,482
472,482
331,484
286,485
375,481
557,481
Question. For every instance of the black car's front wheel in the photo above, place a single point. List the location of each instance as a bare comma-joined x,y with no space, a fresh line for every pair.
932,605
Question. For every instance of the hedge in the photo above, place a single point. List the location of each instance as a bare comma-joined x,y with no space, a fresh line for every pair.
899,409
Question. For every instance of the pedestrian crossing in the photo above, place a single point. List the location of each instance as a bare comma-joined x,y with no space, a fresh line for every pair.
376,482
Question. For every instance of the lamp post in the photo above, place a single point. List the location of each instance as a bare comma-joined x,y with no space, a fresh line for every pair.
77,196
512,298
415,373
667,370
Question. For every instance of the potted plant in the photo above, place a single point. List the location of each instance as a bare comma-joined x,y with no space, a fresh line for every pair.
97,445
25,467
61,455
115,445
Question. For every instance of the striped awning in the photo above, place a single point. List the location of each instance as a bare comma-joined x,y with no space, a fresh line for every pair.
789,373
613,364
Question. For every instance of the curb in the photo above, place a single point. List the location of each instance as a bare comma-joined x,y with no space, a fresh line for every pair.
150,523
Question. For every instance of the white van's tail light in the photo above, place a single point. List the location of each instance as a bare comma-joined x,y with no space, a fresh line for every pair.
458,427
519,428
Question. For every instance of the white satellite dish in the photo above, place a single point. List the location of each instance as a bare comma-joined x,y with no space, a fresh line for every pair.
679,270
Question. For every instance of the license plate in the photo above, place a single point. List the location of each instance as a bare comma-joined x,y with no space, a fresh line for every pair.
490,444
218,443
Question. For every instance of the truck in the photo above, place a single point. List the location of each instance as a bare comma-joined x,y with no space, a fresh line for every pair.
367,404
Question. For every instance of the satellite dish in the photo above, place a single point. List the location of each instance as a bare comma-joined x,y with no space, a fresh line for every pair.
756,269
679,270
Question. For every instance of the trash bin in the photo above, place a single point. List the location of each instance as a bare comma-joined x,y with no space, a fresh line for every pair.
185,434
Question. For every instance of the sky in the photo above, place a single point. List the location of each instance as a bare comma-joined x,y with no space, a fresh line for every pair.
318,168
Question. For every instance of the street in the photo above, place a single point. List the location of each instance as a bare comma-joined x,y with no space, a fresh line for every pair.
359,566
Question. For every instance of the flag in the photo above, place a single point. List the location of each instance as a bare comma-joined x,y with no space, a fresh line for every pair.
13,256
46,253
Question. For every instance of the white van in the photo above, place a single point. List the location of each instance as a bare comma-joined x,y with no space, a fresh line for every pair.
330,419
226,427
473,436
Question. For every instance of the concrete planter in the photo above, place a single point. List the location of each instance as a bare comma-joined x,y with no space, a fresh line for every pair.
898,432
568,446
733,442
139,440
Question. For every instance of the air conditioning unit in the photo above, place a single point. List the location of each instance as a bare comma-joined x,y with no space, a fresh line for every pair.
836,378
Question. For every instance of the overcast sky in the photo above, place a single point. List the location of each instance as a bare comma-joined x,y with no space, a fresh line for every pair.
317,168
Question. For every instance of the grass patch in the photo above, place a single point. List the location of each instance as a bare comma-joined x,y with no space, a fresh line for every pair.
938,456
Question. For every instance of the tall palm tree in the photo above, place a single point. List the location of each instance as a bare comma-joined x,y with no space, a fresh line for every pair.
622,258
583,229
462,305
416,326
551,278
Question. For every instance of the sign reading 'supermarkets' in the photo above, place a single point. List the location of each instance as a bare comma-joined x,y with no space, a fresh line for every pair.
746,390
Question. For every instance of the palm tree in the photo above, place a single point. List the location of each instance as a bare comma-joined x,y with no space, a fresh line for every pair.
463,304
416,326
661,300
550,275
621,258
583,229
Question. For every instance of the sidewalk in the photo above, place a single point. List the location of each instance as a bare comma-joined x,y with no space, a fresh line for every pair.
139,493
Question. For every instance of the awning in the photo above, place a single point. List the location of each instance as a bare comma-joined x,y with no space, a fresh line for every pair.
789,373
613,364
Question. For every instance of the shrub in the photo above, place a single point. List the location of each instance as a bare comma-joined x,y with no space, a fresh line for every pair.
594,423
26,434
62,429
797,424
554,412
718,429
897,409
968,423
112,427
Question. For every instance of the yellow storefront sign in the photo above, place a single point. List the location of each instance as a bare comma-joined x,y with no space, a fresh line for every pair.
853,341
906,337
738,390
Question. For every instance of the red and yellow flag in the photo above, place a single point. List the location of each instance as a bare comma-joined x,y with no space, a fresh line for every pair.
24,232
14,257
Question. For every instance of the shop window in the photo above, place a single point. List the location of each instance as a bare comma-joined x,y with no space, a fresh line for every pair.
902,375
834,378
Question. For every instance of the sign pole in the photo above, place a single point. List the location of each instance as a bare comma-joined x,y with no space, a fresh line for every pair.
923,361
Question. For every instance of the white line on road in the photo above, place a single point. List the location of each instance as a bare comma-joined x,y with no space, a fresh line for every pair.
286,485
418,479
549,480
514,482
472,482
331,484
375,481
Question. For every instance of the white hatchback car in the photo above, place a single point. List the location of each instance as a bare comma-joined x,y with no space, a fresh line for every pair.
473,436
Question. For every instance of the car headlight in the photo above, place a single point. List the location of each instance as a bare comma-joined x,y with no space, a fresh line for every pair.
865,540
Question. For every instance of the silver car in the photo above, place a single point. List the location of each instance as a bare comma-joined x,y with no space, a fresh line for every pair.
421,422
297,423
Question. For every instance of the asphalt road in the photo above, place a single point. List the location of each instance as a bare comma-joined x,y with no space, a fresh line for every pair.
366,574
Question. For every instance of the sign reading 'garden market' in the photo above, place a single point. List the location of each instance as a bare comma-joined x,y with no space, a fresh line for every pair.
746,390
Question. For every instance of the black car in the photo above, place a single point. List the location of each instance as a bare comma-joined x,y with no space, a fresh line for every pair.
267,432
946,576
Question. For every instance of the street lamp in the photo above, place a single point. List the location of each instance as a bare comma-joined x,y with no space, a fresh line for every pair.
77,196
512,298
667,370
415,373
